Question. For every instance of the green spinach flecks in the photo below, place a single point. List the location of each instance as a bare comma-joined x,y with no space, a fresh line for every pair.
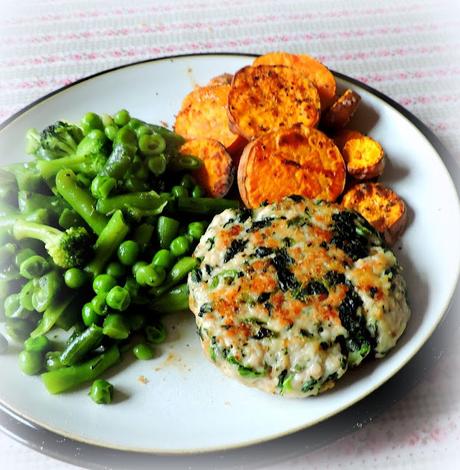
235,247
286,279
334,278
259,224
244,215
309,385
205,308
263,251
312,288
196,275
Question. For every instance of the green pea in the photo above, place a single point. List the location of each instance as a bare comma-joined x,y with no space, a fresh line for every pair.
128,252
188,181
143,352
163,259
127,138
22,255
111,131
101,392
180,246
137,266
97,134
135,123
152,144
196,230
75,278
179,191
91,121
198,191
53,360
150,275
89,315
99,304
116,270
33,267
121,118
118,298
132,286
40,344
167,229
156,333
157,164
3,344
115,326
103,283
30,362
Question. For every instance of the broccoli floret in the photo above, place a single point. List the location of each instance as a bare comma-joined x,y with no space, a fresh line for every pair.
68,249
56,141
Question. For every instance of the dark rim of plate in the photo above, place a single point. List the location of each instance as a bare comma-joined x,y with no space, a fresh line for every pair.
290,446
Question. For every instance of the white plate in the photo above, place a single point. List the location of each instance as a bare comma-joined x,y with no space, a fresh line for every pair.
187,404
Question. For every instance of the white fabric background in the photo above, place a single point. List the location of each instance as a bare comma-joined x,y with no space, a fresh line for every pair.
407,49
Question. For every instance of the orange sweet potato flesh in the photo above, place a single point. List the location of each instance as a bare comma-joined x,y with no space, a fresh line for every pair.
204,115
319,74
298,160
217,172
342,110
364,156
271,97
380,206
222,79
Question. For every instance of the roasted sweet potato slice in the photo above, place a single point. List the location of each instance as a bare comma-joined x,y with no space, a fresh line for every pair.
271,97
380,206
299,160
342,110
364,156
318,73
222,79
217,172
204,115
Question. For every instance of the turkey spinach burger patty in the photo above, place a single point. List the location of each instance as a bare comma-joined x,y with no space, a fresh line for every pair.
290,295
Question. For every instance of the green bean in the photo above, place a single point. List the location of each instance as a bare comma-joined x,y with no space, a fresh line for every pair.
173,140
75,278
179,191
198,191
40,344
71,317
69,218
118,298
127,139
13,307
107,120
84,343
172,301
149,201
152,144
7,255
3,344
143,235
143,352
83,180
80,200
18,329
188,181
22,255
46,290
157,164
25,296
205,205
178,272
34,267
111,131
102,186
115,326
167,229
109,239
155,333
103,283
128,252
184,162
101,392
30,362
64,379
52,314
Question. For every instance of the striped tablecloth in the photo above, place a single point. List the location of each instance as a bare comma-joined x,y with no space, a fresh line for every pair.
410,50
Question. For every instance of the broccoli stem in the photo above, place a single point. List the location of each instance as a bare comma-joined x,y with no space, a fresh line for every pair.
50,168
80,200
106,245
24,229
61,380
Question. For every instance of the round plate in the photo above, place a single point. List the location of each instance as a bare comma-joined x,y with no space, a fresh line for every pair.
179,402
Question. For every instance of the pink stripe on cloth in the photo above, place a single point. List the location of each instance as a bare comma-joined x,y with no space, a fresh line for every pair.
409,75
